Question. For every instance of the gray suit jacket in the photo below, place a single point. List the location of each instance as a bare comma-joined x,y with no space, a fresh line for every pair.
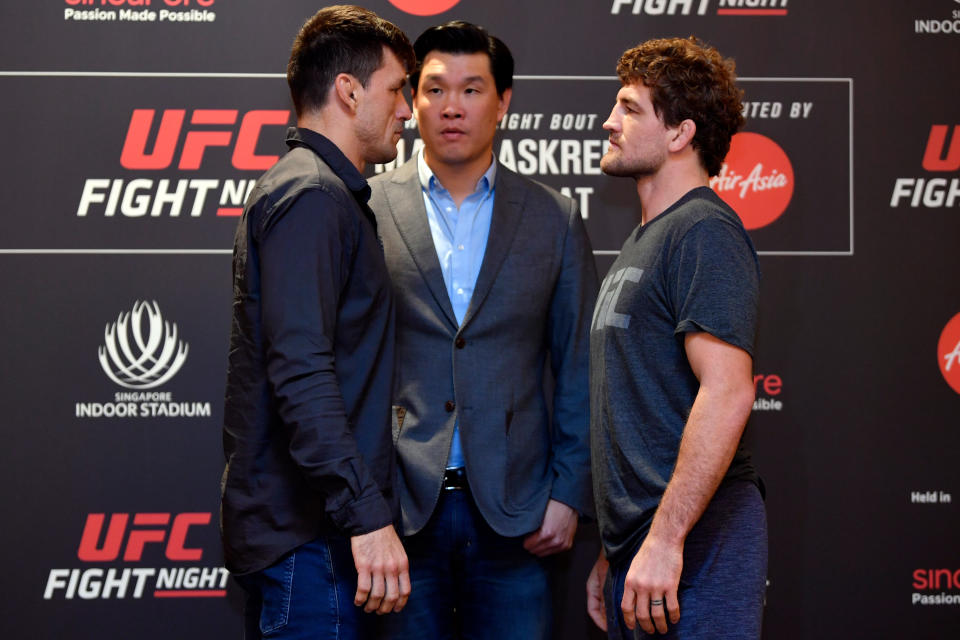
534,297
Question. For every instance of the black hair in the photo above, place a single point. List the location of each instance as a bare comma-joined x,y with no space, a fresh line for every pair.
462,37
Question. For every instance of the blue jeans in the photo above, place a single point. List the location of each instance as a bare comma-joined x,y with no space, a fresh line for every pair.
469,582
308,593
724,576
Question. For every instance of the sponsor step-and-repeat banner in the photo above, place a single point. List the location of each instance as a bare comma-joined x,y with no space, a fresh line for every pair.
135,129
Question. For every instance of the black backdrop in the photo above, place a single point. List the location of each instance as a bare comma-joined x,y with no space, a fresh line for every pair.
110,492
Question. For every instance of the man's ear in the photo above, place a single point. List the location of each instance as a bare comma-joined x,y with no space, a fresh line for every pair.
504,104
345,88
683,135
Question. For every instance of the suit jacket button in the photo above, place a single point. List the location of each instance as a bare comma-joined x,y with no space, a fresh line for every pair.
449,406
460,342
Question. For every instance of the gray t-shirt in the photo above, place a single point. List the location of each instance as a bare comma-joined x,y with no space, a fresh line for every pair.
692,268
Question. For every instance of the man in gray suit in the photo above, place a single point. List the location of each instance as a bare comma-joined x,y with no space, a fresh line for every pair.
494,274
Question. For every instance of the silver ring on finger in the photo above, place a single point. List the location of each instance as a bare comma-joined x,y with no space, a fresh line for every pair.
656,603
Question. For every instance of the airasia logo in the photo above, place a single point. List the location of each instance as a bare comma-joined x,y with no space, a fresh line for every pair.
157,146
756,179
424,7
948,353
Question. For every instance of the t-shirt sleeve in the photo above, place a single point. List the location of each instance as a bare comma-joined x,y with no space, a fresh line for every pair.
714,282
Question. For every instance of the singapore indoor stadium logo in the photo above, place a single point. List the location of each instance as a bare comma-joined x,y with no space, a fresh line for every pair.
141,350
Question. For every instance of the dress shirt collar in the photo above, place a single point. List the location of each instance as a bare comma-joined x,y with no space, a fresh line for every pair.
430,182
331,154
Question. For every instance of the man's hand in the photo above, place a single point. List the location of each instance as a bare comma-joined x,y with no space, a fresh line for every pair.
709,442
654,575
596,607
383,575
556,531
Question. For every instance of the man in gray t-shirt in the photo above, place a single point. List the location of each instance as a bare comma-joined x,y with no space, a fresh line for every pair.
672,339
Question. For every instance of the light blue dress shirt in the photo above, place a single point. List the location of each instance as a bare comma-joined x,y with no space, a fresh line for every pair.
460,237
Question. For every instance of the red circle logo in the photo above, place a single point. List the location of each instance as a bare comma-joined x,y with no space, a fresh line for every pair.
424,7
948,353
756,179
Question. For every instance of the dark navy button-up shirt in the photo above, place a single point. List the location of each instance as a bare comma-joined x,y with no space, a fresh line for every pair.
307,431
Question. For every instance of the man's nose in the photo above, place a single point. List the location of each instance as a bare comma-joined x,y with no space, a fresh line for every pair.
610,125
452,109
403,112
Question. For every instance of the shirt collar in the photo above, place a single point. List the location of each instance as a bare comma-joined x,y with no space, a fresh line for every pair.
333,157
430,182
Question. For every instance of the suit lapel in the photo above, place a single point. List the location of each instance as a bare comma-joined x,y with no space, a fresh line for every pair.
507,212
409,214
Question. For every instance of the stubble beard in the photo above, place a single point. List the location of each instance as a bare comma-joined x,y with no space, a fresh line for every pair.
376,150
613,164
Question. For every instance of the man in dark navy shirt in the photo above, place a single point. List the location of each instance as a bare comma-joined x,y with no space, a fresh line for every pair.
308,505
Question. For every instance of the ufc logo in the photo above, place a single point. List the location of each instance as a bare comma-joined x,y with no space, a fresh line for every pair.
937,157
197,141
147,528
605,313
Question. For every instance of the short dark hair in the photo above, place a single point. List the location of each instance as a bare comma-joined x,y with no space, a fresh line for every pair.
462,37
689,79
340,39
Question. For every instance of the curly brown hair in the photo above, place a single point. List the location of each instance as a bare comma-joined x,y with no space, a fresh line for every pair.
689,79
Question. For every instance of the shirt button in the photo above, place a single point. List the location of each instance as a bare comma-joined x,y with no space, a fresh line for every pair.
460,291
460,247
460,342
449,406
